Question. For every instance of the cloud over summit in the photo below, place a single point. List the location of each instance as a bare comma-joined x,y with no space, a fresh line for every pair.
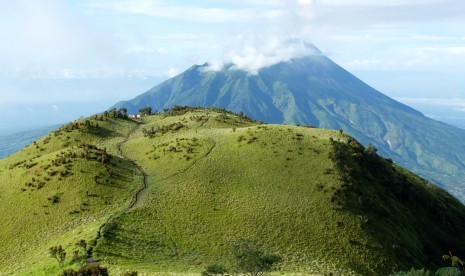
253,56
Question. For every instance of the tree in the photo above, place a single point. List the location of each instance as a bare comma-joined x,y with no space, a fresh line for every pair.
146,110
123,112
82,244
112,113
59,254
80,254
253,261
371,149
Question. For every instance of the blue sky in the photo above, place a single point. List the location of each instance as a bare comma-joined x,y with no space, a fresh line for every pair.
63,59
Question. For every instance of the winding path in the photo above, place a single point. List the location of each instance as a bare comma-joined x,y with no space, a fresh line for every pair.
134,201
136,196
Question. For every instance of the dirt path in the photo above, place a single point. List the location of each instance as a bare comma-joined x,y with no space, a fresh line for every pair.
144,186
138,193
134,201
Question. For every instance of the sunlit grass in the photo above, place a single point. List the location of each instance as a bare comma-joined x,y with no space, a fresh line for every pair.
45,202
313,196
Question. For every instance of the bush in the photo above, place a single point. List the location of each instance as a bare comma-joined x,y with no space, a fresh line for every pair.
215,269
88,270
253,261
59,254
146,111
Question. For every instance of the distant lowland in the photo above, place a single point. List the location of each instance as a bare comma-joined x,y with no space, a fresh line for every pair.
16,141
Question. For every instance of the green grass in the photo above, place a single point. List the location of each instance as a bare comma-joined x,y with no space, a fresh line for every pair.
315,197
49,195
254,182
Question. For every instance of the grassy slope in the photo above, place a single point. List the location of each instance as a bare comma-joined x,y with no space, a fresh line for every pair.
314,196
31,223
272,190
277,186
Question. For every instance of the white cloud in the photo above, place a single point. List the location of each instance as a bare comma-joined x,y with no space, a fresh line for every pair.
171,72
256,39
434,54
146,49
370,64
180,37
355,12
332,12
437,38
47,36
305,2
55,107
177,11
253,57
244,12
443,50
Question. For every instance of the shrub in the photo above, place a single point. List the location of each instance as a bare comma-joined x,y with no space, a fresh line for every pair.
251,260
59,254
54,199
215,269
88,270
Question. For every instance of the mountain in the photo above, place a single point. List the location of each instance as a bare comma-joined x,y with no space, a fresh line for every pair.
313,90
178,191
14,142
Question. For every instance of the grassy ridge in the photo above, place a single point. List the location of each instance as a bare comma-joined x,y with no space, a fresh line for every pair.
282,187
267,183
316,197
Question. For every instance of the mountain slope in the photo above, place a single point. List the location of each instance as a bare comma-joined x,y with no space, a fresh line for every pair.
315,91
59,190
316,197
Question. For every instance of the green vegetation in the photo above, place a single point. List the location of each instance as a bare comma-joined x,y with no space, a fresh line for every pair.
215,269
250,260
60,189
457,268
88,270
146,111
308,200
59,254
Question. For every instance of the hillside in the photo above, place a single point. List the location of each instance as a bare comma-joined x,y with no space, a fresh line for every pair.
59,190
316,197
313,90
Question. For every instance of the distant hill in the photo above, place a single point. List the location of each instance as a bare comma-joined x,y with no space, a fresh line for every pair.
176,193
315,91
16,141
